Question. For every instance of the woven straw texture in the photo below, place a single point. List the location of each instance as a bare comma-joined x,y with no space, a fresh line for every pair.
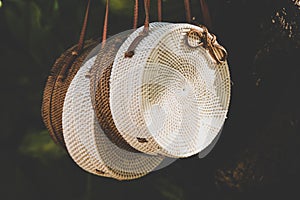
56,88
100,75
86,142
169,98
123,157
76,121
124,116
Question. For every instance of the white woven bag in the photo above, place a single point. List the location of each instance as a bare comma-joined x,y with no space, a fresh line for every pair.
86,142
169,98
76,123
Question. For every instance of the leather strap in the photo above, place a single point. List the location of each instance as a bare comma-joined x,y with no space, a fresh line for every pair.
187,10
136,14
130,51
159,10
80,45
105,24
205,14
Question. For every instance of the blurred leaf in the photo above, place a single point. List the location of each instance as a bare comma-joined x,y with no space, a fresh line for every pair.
55,5
35,15
40,146
16,15
170,191
121,6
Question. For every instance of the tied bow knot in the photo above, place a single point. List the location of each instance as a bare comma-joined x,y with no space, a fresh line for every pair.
209,42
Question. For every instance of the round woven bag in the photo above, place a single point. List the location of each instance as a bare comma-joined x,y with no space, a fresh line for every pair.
89,146
74,127
56,88
99,89
171,98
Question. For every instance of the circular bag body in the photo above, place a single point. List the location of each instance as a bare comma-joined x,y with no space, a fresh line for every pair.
76,125
89,146
56,89
169,98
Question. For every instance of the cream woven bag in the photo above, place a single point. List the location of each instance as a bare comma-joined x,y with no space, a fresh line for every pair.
76,122
89,146
171,98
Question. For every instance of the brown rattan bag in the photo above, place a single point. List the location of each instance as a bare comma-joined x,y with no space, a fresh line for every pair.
62,73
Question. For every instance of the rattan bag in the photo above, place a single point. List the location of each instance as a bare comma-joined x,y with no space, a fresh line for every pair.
139,100
171,98
91,146
57,85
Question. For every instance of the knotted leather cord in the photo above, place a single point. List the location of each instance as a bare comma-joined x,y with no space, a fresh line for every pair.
130,51
187,10
159,10
105,24
209,42
136,14
75,53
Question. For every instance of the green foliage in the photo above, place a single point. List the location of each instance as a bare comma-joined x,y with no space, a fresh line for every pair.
170,190
41,146
121,5
55,5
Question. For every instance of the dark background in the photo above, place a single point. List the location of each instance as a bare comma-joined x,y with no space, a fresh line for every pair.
257,156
